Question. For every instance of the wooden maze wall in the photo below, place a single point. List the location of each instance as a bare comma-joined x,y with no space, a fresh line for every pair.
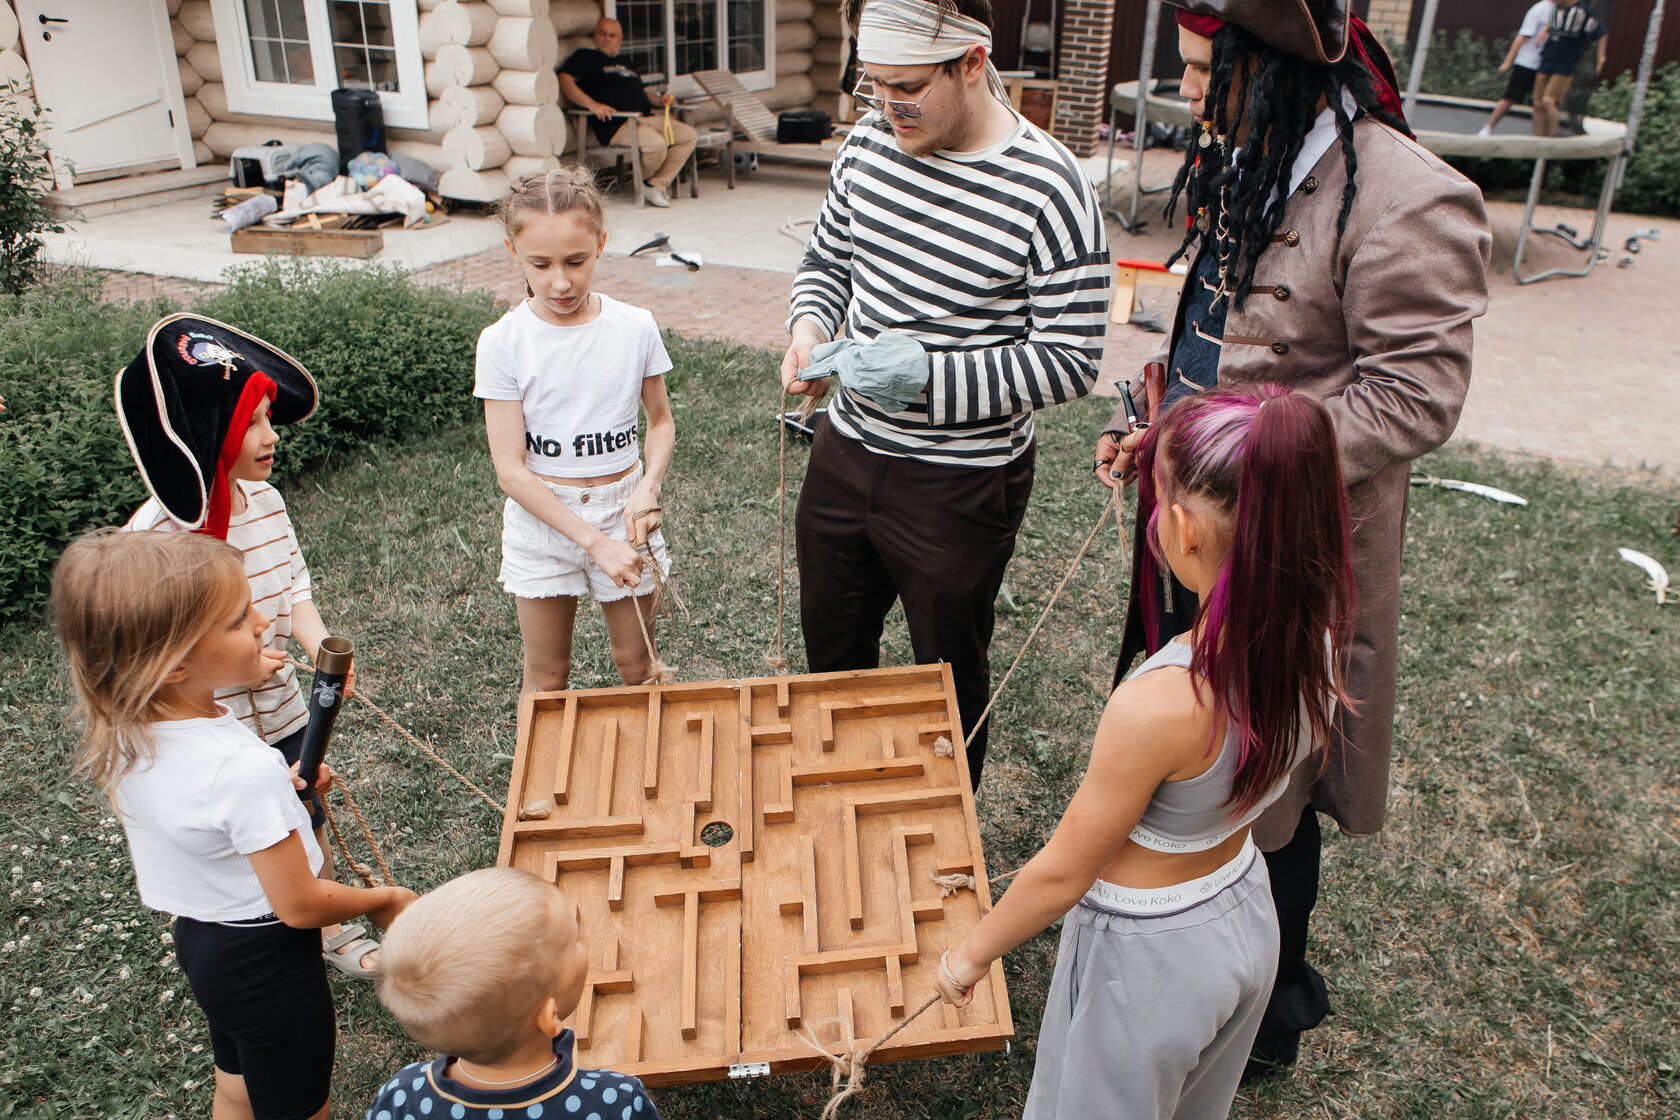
752,860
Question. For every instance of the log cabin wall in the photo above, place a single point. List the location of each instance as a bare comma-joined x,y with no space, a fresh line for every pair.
491,94
14,70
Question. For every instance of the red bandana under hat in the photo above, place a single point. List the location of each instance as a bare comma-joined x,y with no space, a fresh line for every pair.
258,388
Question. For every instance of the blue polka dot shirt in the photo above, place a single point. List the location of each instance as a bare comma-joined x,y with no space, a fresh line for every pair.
422,1092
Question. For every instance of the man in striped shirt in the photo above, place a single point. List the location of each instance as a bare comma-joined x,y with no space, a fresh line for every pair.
953,220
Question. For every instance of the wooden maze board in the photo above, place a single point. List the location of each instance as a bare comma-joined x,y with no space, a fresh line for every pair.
709,958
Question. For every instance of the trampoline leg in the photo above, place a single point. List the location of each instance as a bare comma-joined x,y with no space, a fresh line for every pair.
1528,218
1592,244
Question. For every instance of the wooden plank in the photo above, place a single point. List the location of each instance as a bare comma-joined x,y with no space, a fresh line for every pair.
356,243
705,750
744,818
567,745
650,745
608,770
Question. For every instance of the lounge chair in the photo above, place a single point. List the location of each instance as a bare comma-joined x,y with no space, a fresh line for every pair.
754,120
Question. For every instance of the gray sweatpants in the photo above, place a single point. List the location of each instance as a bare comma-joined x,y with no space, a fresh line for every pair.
1151,1017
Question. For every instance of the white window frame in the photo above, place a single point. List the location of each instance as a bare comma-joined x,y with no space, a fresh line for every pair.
685,86
404,109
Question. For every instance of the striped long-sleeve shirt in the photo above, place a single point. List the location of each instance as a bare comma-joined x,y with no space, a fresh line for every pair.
995,260
279,577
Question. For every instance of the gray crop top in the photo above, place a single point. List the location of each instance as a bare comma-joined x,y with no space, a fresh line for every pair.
1195,814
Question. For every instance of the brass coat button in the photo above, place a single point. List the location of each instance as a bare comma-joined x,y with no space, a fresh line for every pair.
1281,292
1309,184
1292,238
1280,347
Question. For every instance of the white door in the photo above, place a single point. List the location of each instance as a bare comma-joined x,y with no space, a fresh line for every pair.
105,71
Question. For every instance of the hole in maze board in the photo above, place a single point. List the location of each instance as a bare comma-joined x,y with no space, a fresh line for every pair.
716,834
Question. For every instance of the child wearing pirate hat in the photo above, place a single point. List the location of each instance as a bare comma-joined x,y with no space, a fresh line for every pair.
198,406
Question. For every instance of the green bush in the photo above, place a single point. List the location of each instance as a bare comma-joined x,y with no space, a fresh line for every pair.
62,457
393,361
1652,182
25,178
1461,65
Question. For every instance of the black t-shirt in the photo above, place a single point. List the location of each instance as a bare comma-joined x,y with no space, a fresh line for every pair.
603,77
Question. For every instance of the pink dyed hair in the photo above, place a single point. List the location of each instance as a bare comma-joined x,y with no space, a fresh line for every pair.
1265,458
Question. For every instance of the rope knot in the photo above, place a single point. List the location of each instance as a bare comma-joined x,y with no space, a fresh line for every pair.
950,884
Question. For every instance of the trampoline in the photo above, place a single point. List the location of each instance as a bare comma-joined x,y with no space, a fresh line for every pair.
1447,126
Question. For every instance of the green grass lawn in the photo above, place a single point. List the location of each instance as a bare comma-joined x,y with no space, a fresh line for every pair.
1509,947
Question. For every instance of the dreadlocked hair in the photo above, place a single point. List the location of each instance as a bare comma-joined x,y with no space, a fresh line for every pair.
1278,96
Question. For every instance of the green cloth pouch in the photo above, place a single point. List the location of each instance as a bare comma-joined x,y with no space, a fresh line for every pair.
891,369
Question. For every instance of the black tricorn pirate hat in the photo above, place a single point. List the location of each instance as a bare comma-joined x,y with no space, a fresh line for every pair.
178,396
1314,30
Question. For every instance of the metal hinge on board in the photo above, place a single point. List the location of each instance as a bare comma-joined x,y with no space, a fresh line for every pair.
750,1069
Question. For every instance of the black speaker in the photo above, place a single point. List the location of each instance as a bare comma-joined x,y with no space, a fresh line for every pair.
803,126
360,122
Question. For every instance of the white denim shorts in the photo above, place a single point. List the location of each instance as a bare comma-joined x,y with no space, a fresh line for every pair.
540,563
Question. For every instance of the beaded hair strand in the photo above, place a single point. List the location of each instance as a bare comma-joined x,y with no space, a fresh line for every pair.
1279,97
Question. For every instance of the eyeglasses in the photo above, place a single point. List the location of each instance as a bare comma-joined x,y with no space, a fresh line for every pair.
864,94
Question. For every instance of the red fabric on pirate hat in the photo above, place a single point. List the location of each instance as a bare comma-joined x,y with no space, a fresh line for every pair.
1307,29
1198,24
185,403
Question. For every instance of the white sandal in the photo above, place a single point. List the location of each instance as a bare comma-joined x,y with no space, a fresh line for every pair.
358,944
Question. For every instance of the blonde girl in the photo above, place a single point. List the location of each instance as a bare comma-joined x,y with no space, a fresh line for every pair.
561,376
152,625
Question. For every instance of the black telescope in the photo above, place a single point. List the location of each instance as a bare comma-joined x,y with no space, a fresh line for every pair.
326,697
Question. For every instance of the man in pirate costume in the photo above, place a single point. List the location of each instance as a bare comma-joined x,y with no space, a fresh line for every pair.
1329,253
198,406
960,250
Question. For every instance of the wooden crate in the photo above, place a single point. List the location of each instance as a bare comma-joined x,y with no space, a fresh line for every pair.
709,954
301,241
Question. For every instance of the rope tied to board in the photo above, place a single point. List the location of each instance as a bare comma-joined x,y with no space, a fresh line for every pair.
848,1065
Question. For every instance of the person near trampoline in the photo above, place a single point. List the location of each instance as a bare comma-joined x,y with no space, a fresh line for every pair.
1573,28
1333,254
960,250
596,79
1522,62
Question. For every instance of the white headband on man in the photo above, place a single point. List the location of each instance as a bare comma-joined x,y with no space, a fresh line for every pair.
902,33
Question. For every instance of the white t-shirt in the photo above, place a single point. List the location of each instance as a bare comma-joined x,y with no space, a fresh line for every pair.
1528,55
279,577
210,795
579,386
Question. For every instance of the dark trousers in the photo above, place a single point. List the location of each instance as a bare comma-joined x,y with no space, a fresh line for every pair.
1299,1001
874,528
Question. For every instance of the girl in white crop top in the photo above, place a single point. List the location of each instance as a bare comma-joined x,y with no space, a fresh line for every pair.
1244,496
561,376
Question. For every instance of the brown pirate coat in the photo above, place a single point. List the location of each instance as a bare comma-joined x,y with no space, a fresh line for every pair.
1377,326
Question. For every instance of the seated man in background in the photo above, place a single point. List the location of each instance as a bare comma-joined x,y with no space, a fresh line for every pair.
593,78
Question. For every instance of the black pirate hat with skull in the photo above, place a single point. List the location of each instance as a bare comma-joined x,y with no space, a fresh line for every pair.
185,403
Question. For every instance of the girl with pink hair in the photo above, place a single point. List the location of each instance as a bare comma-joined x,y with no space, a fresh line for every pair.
1170,942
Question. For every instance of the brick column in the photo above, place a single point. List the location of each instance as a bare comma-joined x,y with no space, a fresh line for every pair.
1082,89
1390,20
